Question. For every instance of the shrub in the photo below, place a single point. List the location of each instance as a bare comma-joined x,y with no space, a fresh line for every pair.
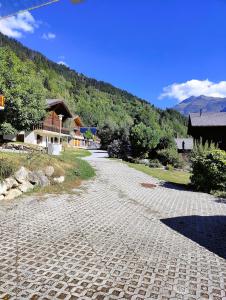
119,149
88,134
209,170
110,132
169,168
170,156
7,128
107,135
154,163
114,149
143,138
166,142
6,168
201,148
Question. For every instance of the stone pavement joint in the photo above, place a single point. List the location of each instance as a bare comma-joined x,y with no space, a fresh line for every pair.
114,239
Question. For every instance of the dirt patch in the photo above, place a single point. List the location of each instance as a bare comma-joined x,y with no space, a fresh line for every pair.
148,185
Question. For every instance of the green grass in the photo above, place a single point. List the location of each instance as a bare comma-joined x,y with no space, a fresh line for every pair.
174,176
79,152
85,170
68,164
81,168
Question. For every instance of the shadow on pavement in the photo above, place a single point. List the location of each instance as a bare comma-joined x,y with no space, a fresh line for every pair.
99,152
207,231
176,186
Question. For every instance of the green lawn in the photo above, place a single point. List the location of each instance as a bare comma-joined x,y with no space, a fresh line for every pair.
175,177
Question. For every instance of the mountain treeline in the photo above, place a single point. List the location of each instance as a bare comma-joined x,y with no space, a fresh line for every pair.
27,78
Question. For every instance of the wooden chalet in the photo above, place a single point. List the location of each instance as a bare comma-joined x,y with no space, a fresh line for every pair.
58,125
77,137
51,129
208,127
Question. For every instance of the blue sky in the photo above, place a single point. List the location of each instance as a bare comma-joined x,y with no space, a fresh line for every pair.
141,46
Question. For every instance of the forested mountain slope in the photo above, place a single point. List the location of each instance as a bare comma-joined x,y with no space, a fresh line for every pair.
27,78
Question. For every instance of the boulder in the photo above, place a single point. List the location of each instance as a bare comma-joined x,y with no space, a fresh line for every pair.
25,187
2,197
12,194
60,179
3,188
23,147
49,170
42,179
11,183
38,178
33,177
21,175
144,162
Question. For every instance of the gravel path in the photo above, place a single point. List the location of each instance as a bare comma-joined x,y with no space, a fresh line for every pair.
114,239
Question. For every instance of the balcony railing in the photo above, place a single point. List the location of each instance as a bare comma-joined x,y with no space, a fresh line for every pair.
42,126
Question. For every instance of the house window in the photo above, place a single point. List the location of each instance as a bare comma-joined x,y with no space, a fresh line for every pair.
39,139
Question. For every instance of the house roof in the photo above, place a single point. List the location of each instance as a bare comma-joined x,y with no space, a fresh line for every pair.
188,143
53,102
208,119
77,121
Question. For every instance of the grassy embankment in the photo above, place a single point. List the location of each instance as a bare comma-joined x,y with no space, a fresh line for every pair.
68,164
174,176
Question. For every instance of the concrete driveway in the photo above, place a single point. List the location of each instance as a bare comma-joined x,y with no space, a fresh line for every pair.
114,239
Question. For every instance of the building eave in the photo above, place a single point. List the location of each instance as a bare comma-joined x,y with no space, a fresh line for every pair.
50,133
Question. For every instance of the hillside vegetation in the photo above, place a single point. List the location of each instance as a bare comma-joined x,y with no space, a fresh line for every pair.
27,78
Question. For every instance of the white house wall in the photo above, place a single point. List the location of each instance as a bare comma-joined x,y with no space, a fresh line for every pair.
30,138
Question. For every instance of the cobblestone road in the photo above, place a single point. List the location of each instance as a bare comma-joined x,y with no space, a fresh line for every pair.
114,239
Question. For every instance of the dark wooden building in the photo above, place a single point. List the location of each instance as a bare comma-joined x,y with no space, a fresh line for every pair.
210,127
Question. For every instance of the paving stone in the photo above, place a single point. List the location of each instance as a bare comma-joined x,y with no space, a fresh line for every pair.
114,240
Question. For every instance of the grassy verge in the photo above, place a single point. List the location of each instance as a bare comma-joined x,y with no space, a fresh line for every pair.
77,153
174,176
69,164
81,168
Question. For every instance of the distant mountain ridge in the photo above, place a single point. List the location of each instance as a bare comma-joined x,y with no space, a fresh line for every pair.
207,104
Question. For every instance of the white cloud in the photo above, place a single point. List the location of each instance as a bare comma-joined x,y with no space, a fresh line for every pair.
48,36
15,26
63,63
182,91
